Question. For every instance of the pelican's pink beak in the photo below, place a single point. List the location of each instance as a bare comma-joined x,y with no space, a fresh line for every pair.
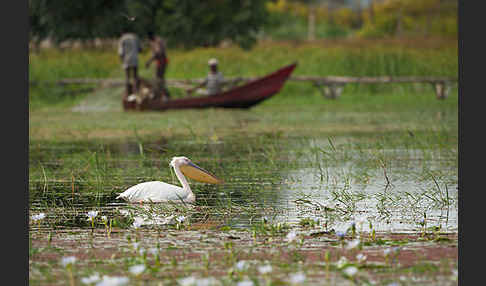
197,173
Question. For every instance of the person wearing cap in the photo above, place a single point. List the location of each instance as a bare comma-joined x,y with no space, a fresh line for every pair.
213,82
128,48
157,46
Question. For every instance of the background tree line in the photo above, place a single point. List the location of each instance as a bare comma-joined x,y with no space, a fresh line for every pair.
188,24
183,23
362,18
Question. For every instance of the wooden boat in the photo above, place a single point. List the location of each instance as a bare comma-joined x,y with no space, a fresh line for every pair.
244,96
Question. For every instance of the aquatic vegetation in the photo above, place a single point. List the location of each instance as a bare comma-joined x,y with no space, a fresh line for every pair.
343,191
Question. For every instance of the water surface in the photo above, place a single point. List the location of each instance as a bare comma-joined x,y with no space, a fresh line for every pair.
284,179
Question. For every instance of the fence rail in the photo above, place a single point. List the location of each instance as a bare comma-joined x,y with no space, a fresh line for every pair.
329,86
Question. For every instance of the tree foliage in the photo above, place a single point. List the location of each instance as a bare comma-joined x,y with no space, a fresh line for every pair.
378,19
183,23
400,17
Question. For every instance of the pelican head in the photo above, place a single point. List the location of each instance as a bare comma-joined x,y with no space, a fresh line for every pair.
193,171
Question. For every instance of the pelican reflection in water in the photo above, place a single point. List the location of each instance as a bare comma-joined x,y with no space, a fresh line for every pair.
158,192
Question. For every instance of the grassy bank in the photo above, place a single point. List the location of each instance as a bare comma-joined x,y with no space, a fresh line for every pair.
340,58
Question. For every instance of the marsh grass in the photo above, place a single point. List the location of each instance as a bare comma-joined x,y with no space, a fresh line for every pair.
341,163
346,58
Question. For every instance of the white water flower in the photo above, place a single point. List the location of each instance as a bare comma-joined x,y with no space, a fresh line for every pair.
206,281
291,236
137,269
187,281
65,261
245,283
396,249
181,219
350,271
454,275
353,244
360,222
241,265
265,269
387,251
341,234
153,251
113,281
138,222
38,217
361,257
92,214
124,212
297,278
91,279
342,262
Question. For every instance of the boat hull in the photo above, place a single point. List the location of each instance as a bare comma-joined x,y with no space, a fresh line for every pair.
244,96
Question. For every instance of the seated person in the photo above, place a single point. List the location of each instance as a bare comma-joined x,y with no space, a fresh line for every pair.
213,82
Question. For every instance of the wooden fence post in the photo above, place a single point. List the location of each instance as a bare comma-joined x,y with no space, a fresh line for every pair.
330,90
441,89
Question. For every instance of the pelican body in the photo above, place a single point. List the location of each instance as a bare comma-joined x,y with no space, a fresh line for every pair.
159,192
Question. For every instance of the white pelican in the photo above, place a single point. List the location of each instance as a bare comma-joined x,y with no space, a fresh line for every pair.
158,192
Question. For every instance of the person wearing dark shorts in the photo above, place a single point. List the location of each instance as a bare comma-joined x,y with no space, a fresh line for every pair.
159,55
128,49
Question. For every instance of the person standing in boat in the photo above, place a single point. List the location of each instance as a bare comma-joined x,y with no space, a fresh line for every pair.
159,55
128,48
214,81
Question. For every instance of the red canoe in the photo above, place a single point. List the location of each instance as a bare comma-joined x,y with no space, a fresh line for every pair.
243,96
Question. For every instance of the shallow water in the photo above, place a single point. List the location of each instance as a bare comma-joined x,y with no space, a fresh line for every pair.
283,179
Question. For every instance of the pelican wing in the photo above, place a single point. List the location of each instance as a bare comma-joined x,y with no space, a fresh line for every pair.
154,191
197,173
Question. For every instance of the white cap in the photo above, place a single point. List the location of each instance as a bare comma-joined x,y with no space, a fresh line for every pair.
213,62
